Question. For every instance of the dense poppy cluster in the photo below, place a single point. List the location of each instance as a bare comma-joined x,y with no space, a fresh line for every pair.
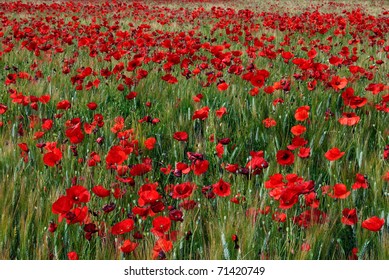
130,47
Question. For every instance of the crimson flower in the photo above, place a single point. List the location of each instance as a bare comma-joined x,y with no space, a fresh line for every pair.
349,119
334,154
128,246
161,225
72,256
302,113
150,143
100,191
285,157
349,216
201,114
180,136
222,188
183,190
122,227
373,224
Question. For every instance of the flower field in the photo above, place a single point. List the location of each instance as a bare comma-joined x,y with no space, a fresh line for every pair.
194,130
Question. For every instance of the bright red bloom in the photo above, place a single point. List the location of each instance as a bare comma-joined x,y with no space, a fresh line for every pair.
269,122
222,188
116,155
74,131
337,191
78,194
275,181
122,227
183,190
128,246
161,225
181,136
360,182
150,143
161,247
62,205
349,216
3,109
92,106
297,130
222,86
338,83
76,215
100,191
72,256
219,150
302,113
54,156
220,113
201,114
279,217
285,157
304,152
349,119
334,154
373,224
200,166
64,105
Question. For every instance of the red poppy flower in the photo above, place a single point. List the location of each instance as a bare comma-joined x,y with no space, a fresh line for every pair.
304,152
338,83
373,224
200,166
339,191
285,157
183,190
62,205
131,95
349,216
232,168
275,181
100,191
128,246
222,188
219,150
222,86
201,114
24,147
161,247
181,136
116,155
297,130
334,154
150,143
269,122
361,182
349,119
78,194
53,157
220,113
161,225
3,109
72,256
92,106
64,105
122,227
279,217
76,215
302,113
